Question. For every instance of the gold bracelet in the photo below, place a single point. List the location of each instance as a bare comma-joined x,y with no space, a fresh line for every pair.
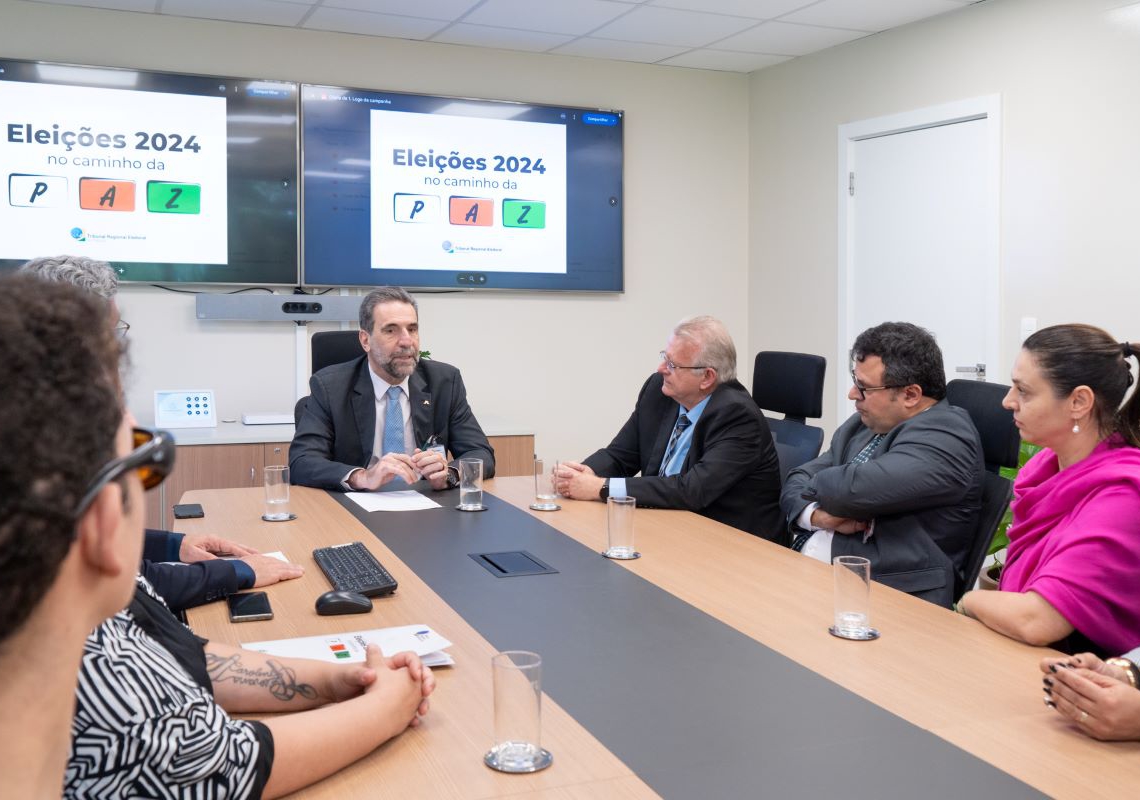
1128,667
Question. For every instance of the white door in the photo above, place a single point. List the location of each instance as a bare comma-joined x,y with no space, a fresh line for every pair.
920,217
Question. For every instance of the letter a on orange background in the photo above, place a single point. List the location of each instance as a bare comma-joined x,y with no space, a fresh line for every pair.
96,194
471,211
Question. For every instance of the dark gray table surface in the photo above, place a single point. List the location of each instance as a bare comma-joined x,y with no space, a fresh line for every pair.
694,707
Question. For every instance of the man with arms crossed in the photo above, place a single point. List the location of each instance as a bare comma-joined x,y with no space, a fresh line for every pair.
901,484
183,568
695,436
387,415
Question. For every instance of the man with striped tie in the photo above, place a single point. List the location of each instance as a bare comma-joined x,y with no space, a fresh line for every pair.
902,482
695,440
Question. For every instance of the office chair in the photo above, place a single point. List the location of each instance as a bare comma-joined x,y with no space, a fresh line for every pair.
791,384
325,349
334,347
1000,445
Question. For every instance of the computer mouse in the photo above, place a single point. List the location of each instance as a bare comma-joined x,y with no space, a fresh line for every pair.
335,602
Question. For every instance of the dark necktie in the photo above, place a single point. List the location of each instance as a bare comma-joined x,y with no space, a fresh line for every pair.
682,423
862,457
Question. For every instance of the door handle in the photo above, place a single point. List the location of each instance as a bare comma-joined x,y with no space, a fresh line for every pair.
977,370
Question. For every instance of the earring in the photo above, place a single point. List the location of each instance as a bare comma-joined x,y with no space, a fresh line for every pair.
1076,428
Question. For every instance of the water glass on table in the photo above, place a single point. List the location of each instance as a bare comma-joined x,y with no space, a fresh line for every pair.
516,677
852,575
619,529
277,494
471,485
545,493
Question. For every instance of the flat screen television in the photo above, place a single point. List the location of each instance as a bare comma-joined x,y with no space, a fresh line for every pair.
171,178
437,192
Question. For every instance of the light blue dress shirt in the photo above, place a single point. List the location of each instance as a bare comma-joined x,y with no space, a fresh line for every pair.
617,485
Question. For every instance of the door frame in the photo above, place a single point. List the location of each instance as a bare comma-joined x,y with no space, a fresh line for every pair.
985,107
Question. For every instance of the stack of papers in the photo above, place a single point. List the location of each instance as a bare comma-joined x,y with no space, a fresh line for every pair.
348,648
408,500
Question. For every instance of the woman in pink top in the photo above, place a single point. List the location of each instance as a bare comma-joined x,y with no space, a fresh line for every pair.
1072,574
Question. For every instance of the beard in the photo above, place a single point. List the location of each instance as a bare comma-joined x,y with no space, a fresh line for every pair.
401,363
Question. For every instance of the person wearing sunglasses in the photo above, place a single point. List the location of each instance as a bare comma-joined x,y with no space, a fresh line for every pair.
201,576
148,715
71,507
695,440
901,484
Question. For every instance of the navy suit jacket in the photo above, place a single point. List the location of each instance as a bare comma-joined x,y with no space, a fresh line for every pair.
336,430
182,585
922,486
731,472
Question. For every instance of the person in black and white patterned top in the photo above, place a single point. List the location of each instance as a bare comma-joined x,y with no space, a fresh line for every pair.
71,508
151,713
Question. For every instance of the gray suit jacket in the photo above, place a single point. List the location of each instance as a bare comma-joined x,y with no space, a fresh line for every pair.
923,488
336,431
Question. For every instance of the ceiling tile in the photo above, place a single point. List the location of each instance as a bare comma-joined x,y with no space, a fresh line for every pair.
786,39
265,12
424,9
116,5
670,26
723,60
870,15
576,18
620,51
501,38
397,27
753,9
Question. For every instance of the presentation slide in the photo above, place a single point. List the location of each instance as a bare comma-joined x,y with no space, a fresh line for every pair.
488,193
115,174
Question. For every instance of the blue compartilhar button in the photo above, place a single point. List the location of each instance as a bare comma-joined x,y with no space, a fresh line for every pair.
600,119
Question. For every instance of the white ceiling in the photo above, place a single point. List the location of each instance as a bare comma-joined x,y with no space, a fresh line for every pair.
727,35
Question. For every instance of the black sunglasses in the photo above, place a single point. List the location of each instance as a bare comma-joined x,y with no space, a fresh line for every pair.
152,457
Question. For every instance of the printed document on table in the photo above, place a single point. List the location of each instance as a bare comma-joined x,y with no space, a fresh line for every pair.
348,648
391,501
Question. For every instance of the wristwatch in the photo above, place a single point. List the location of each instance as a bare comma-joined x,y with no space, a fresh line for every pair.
1131,672
604,492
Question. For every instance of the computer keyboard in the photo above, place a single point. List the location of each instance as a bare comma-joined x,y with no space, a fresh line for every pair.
351,567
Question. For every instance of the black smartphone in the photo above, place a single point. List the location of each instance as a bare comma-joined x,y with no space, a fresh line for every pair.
248,606
188,511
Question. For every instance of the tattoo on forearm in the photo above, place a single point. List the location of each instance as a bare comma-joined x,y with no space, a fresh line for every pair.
279,680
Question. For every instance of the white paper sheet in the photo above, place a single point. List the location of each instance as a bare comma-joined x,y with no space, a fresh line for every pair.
348,648
392,501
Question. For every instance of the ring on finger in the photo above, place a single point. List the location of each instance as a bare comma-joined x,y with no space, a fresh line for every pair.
1083,718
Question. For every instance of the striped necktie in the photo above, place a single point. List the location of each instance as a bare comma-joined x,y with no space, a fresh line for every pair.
862,457
683,422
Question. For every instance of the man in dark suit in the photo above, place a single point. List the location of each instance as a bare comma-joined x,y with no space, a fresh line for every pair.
901,484
695,436
387,415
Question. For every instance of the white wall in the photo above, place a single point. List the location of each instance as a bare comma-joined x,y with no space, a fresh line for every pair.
565,367
1067,72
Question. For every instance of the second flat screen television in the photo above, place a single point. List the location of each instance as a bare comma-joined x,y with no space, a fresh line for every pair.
436,192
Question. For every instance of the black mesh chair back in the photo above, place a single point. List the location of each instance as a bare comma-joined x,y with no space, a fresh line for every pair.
982,401
791,384
1000,445
334,347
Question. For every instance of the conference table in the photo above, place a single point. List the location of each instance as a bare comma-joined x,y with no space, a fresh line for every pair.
702,669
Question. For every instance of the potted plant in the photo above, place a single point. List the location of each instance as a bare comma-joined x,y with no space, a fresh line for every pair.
990,575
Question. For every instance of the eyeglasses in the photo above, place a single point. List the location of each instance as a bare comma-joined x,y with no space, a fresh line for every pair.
152,457
859,387
669,365
121,328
